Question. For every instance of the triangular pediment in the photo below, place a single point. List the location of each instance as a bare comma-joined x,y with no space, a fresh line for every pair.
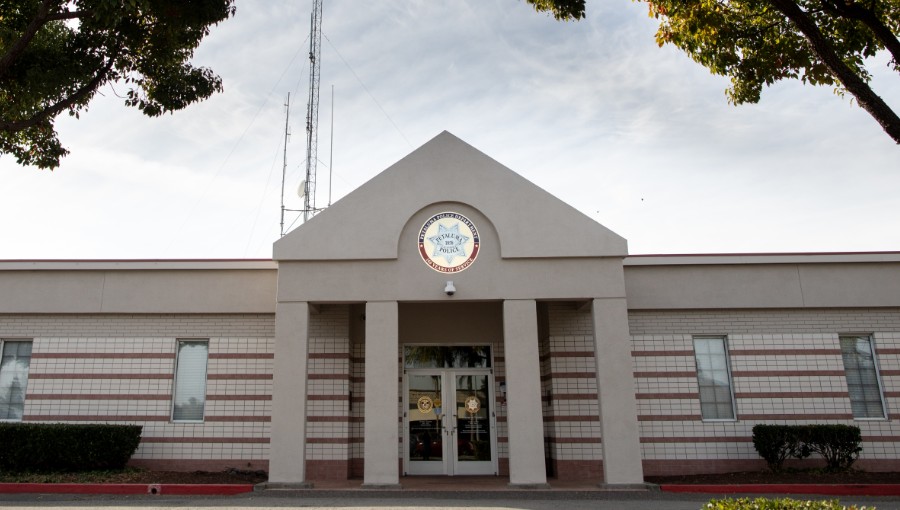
530,222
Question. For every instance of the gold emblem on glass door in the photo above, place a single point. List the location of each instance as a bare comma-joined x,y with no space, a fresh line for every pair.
425,405
473,405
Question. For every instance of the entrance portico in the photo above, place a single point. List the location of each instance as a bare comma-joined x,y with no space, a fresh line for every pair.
541,288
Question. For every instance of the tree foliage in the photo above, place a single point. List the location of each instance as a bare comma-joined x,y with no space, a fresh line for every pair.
756,43
56,54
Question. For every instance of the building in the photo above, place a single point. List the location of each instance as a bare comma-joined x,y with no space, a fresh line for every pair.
451,318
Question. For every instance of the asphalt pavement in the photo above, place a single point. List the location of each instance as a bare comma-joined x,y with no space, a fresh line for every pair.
524,500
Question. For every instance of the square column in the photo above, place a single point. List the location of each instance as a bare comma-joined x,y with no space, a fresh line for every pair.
523,394
287,449
615,385
382,438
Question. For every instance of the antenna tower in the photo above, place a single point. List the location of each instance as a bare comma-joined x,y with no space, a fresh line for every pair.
312,110
287,135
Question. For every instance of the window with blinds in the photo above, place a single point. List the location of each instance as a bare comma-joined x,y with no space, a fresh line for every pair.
189,397
714,378
14,363
866,398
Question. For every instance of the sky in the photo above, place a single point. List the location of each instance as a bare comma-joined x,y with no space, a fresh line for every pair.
639,138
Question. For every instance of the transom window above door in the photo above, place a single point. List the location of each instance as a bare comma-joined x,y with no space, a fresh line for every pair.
447,356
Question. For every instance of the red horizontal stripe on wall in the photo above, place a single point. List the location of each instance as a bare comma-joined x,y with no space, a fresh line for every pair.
651,375
710,439
811,416
785,352
327,377
239,397
569,354
641,354
892,393
887,351
786,373
794,394
327,440
663,396
329,355
568,375
102,355
260,440
328,397
98,376
242,355
669,417
94,396
573,396
219,377
570,418
128,396
328,419
890,372
238,418
92,417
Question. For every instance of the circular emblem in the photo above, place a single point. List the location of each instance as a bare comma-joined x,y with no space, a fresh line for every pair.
425,405
448,242
473,405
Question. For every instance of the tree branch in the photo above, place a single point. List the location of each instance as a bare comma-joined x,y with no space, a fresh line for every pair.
867,16
68,15
820,46
40,18
68,102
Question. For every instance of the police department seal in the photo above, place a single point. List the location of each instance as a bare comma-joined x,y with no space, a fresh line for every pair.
449,242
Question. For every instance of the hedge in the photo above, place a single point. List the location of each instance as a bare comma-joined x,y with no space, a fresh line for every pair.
778,504
66,447
839,445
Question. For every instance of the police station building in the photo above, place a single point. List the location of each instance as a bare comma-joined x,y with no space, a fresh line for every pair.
472,325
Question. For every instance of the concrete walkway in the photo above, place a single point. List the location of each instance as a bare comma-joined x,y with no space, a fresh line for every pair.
417,492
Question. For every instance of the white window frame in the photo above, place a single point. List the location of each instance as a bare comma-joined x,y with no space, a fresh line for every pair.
3,342
175,378
871,338
724,340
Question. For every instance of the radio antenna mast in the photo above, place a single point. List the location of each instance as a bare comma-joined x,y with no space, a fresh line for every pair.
312,110
287,134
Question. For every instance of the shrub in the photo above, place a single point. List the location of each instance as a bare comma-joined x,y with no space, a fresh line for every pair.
66,447
775,443
777,504
839,445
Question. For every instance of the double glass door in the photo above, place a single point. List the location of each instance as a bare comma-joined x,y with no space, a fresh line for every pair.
449,422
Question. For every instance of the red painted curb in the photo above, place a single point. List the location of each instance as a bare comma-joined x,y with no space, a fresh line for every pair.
792,488
178,489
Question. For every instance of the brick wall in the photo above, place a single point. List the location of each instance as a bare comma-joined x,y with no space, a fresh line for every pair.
328,394
786,368
569,384
120,369
357,408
